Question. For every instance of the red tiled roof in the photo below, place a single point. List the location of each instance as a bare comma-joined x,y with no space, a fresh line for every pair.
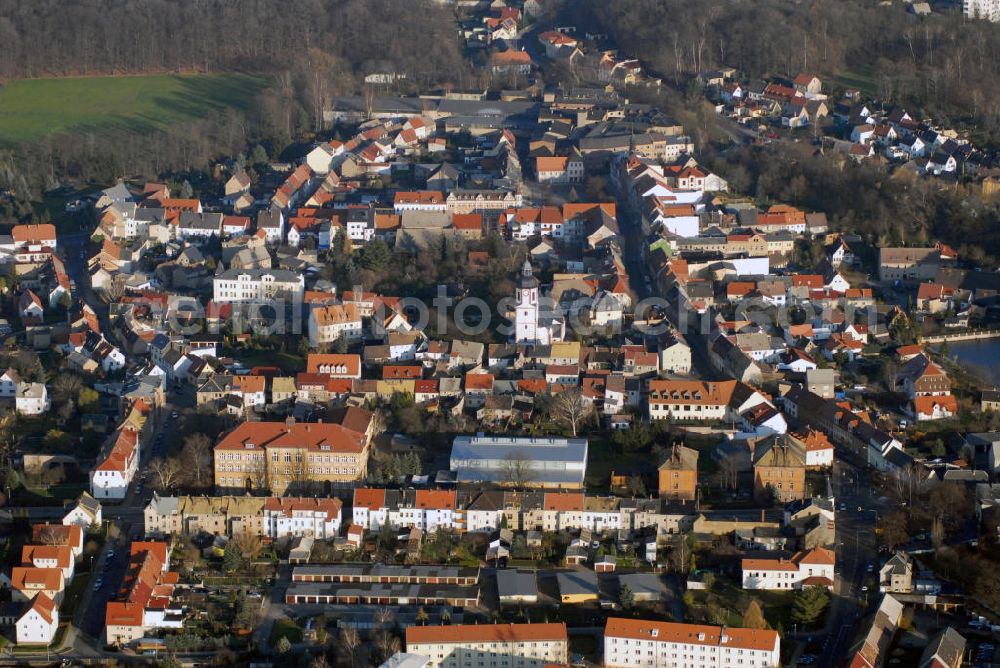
563,501
369,498
314,437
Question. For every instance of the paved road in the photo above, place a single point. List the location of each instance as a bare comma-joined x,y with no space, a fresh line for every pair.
856,550
76,266
111,572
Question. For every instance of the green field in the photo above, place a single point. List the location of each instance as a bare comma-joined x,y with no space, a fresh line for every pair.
34,108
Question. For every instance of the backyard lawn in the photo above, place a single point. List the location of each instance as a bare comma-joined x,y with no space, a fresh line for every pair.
31,109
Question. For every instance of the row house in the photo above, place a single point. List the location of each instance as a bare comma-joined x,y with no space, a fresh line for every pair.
427,510
38,623
295,189
842,426
307,517
144,602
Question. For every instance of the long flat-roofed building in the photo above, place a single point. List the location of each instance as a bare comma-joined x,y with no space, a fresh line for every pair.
374,573
520,461
639,643
495,645
379,593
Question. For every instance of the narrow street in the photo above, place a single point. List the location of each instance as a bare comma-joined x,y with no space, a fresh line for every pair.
857,548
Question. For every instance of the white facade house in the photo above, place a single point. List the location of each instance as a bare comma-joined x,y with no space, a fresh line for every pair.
258,286
322,156
286,517
688,400
804,569
329,323
32,399
427,510
9,382
85,512
38,624
637,643
111,478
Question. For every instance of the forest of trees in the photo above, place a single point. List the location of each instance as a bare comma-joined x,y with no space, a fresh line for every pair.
945,65
866,198
48,37
312,50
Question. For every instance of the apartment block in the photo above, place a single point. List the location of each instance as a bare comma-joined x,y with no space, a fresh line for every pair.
637,643
490,645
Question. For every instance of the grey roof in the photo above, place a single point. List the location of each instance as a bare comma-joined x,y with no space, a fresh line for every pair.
88,503
150,214
163,505
898,564
118,193
958,475
948,647
486,108
645,586
196,221
516,584
577,582
380,571
357,103
482,457
283,275
383,590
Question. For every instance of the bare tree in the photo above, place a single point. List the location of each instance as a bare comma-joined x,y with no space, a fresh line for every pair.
729,471
166,473
115,288
50,535
350,641
301,480
570,409
386,642
517,469
196,457
249,544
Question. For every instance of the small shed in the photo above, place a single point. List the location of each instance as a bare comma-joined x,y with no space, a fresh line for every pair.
577,586
605,564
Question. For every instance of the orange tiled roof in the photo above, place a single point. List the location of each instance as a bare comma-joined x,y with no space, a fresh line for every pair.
693,634
313,437
459,633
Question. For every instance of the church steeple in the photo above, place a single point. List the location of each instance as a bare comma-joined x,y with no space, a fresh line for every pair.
528,280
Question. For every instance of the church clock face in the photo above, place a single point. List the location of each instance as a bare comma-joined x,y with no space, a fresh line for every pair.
525,295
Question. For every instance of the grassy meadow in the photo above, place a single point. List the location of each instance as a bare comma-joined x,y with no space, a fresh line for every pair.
31,109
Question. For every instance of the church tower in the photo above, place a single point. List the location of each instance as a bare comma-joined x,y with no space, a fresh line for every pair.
526,317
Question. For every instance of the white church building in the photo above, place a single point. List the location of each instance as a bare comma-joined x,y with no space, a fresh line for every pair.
534,322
